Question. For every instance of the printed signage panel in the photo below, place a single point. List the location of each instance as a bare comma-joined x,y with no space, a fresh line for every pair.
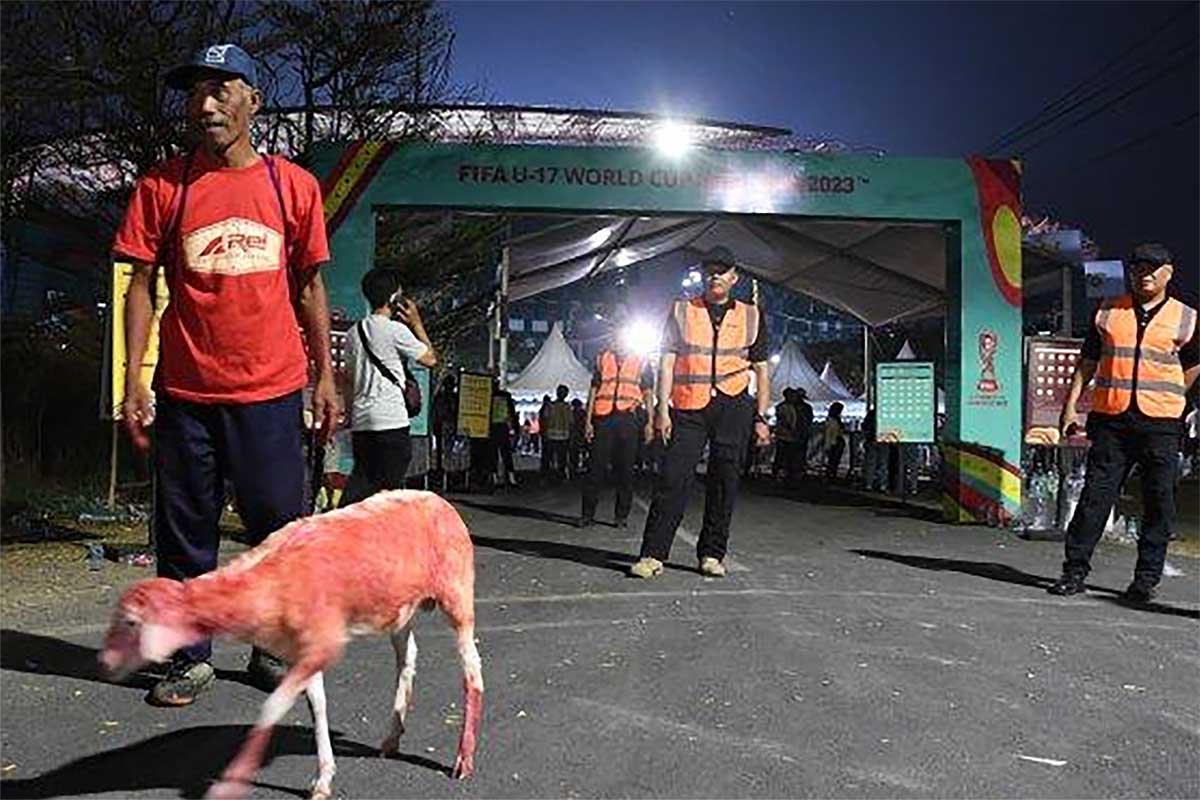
474,405
906,402
1049,365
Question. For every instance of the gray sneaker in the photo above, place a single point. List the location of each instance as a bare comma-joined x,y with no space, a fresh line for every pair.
184,682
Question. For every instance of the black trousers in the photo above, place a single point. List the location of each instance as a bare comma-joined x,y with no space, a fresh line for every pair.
1116,447
556,453
502,441
614,449
197,446
724,425
380,462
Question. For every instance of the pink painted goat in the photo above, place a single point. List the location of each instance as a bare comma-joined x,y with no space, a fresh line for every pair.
301,594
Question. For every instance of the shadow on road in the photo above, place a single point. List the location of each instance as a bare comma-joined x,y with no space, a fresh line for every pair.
45,655
839,496
580,554
981,569
520,511
187,761
1006,574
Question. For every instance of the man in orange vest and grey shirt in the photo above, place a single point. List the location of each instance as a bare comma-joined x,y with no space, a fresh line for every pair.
621,383
1142,351
710,346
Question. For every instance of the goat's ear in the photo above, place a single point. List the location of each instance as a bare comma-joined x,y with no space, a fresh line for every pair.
159,641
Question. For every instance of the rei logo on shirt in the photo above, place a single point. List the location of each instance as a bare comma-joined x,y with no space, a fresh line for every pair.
234,246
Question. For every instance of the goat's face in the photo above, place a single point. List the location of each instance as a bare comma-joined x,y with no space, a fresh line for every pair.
150,623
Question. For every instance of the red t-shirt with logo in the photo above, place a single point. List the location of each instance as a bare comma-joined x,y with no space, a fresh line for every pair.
229,333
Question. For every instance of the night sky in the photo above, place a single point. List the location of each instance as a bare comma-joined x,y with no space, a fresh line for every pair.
911,79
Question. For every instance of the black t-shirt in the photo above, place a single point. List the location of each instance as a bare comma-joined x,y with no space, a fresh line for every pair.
1189,356
672,336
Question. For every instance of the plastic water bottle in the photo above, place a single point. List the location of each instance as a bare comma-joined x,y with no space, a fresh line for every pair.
95,556
1132,530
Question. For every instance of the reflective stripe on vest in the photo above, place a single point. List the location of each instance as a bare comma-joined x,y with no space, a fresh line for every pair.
1150,367
499,410
558,421
706,363
620,386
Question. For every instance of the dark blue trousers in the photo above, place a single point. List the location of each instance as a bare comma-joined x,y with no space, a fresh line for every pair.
198,446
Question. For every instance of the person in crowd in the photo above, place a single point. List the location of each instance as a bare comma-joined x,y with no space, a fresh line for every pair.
710,346
376,374
875,456
444,419
833,440
784,433
621,384
503,429
543,416
1142,352
232,364
557,433
578,446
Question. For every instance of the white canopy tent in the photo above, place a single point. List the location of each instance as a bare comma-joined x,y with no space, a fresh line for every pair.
830,378
877,271
553,365
793,371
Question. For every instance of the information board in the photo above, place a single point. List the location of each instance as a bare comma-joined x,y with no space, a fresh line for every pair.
474,405
1049,366
906,401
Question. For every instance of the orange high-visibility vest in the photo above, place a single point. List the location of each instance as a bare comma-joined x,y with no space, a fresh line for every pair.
620,383
704,366
1150,367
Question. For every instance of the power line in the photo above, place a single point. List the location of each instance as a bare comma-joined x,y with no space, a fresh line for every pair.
1019,131
1187,60
1134,142
1099,91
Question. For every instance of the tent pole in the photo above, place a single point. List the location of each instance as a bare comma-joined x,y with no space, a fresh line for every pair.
112,468
868,384
1065,325
502,318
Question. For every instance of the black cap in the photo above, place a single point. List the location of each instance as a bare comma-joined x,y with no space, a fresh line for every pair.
1149,253
718,255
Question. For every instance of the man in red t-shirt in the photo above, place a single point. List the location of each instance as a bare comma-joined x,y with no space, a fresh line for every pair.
241,237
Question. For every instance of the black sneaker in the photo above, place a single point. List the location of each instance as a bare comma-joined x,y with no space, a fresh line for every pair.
265,671
1068,584
184,682
1139,593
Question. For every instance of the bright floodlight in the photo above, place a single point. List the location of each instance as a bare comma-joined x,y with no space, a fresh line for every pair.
775,358
672,139
640,336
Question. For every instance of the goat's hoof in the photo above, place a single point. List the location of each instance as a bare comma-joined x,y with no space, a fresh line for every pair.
390,746
228,790
464,767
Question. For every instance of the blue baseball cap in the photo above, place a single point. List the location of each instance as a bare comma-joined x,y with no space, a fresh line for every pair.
224,58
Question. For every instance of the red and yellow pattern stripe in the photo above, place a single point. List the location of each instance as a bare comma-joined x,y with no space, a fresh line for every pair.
350,177
978,485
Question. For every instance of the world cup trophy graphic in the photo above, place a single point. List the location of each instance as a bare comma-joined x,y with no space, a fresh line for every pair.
989,343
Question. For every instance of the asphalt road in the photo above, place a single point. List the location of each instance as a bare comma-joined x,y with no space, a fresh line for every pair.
854,651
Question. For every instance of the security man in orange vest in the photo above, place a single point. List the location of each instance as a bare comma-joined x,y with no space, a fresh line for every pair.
1142,351
621,383
710,346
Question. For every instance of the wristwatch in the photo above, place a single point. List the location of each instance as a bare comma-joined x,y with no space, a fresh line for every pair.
760,418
